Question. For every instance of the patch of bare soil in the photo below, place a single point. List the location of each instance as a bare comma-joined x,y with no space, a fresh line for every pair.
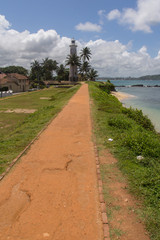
6,126
52,192
19,110
45,98
121,205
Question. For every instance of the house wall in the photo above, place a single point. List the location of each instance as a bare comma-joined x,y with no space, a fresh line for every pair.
22,86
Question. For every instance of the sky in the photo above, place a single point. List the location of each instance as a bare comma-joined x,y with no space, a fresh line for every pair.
123,35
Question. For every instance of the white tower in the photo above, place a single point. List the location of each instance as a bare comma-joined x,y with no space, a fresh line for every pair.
73,68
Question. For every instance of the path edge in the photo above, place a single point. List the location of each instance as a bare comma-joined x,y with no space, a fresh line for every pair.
104,218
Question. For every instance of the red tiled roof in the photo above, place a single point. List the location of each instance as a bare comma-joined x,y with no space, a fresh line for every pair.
17,76
6,80
2,75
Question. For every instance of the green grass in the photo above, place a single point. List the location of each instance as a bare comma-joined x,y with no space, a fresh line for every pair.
133,134
18,129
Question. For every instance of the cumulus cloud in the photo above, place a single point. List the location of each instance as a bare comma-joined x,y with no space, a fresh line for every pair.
114,14
110,58
4,24
88,27
140,19
114,59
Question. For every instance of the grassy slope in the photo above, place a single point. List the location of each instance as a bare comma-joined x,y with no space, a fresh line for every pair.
18,129
133,135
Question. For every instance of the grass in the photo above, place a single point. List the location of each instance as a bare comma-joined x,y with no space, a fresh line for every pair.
133,135
18,129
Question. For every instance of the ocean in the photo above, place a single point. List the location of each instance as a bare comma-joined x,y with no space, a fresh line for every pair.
146,98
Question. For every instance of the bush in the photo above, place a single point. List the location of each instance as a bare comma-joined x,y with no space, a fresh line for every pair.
143,143
120,122
107,87
138,116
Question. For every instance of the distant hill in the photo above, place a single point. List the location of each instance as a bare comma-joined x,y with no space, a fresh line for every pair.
150,77
147,77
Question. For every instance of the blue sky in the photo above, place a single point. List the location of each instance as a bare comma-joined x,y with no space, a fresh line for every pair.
124,35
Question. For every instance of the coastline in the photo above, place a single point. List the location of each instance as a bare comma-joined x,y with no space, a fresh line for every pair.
121,95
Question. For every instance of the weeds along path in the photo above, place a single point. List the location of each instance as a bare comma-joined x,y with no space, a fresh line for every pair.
51,193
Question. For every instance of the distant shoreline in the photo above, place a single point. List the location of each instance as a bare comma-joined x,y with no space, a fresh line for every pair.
121,96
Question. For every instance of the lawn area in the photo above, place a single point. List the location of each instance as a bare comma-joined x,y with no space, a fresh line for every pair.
18,126
136,146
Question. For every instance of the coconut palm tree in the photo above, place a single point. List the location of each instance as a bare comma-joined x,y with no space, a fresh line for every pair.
62,73
48,67
92,74
85,54
73,60
84,70
36,70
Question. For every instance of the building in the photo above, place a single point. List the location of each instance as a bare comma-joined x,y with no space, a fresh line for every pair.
73,68
14,81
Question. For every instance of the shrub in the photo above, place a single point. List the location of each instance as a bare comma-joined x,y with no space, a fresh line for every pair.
138,116
107,87
143,143
120,122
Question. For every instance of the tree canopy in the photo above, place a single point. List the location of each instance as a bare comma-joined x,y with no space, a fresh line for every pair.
14,69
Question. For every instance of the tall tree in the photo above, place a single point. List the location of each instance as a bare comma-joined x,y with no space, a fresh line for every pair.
48,66
92,74
14,69
73,60
84,70
85,54
62,73
36,70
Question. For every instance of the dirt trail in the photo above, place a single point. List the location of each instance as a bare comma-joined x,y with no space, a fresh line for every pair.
52,192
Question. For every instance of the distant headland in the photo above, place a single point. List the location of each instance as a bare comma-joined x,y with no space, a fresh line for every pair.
147,77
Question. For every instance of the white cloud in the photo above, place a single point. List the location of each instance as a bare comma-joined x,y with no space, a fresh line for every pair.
102,15
110,58
88,27
114,59
4,24
142,18
114,14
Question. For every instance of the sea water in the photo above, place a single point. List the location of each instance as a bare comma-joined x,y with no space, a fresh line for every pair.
146,98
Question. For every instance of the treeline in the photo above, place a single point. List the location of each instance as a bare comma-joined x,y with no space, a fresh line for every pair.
48,69
14,69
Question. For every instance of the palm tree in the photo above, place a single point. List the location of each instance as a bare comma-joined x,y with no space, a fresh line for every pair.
85,54
84,70
48,67
92,74
36,70
62,72
73,60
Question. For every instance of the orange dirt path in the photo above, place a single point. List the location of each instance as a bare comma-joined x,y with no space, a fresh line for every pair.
52,192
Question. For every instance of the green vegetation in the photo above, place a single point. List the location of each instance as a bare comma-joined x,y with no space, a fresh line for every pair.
86,72
14,69
18,129
136,145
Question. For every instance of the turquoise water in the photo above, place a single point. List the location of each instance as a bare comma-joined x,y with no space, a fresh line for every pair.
146,98
135,82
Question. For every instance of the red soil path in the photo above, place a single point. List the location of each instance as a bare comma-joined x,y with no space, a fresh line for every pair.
52,192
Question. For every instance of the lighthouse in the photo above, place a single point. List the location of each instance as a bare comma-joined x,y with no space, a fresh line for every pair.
73,68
